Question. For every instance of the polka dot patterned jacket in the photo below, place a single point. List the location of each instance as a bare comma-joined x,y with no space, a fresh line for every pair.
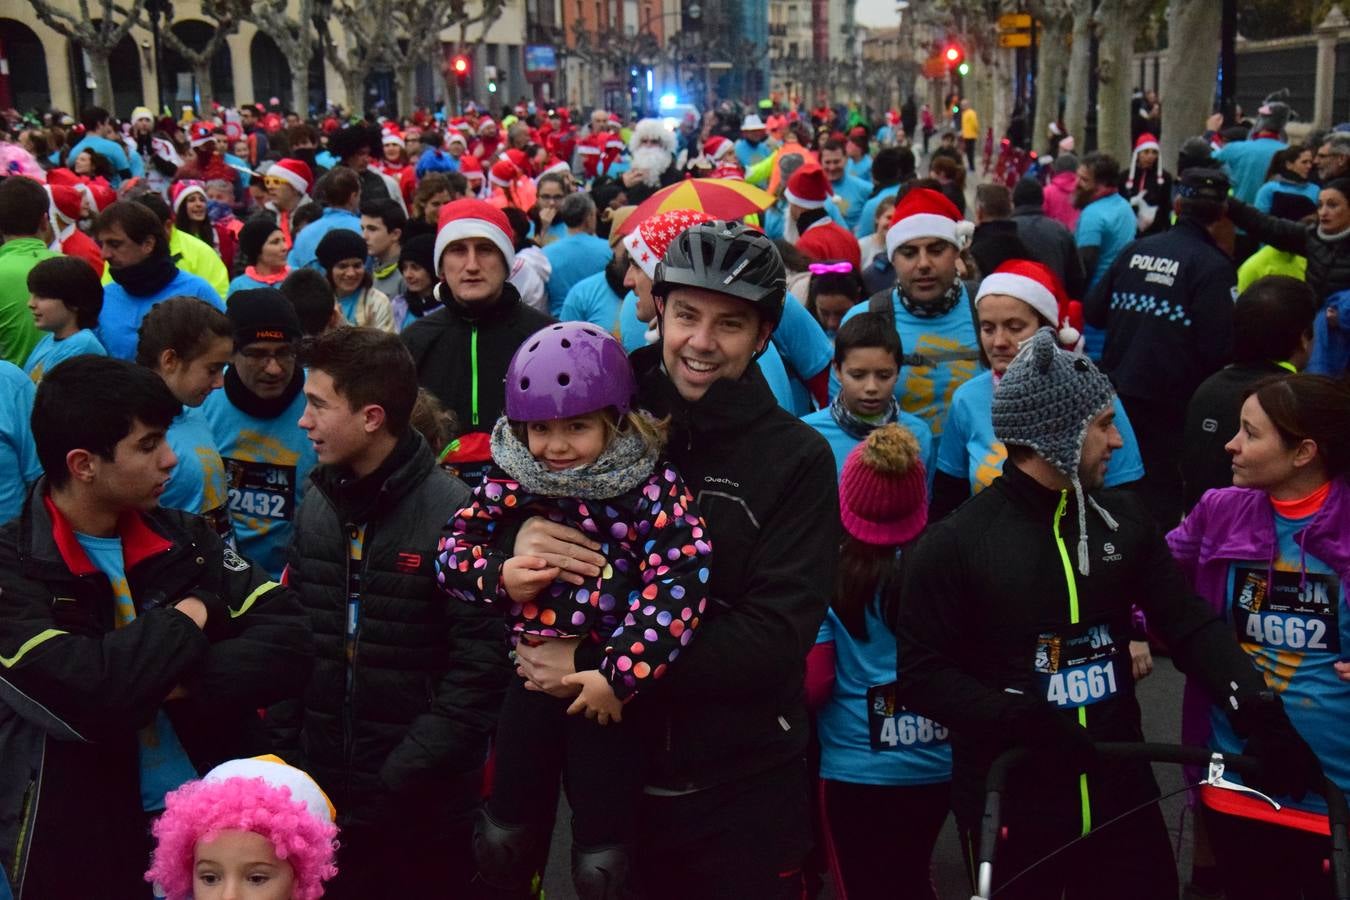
643,607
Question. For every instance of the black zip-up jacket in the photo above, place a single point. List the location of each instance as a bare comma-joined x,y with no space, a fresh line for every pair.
765,483
990,601
1167,305
462,352
75,689
396,719
1328,259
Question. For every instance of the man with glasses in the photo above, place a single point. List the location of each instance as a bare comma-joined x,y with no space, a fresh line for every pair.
288,184
255,420
552,190
1333,157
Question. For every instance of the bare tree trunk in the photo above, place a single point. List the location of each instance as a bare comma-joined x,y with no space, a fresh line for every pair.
1050,65
353,80
1080,71
1118,24
300,87
405,87
1187,96
201,70
101,71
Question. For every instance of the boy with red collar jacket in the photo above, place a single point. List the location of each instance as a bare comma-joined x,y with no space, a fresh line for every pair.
135,648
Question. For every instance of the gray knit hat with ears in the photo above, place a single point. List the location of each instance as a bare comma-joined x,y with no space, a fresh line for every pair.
1045,401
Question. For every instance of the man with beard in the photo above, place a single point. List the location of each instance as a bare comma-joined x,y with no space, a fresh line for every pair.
143,273
653,166
1106,224
255,419
289,182
158,155
1333,158
598,299
204,163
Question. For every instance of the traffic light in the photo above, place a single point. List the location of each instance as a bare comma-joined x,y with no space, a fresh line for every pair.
954,55
490,72
964,68
460,66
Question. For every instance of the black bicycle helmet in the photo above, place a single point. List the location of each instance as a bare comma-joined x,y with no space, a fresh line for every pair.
729,258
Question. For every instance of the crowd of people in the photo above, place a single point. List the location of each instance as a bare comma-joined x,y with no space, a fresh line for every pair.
375,481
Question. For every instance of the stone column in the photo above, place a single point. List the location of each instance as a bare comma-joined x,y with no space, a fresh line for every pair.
241,63
1327,34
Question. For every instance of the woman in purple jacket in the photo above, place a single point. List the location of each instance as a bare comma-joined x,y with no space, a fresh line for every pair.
1272,556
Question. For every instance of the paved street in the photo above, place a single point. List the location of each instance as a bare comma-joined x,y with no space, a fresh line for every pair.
1160,697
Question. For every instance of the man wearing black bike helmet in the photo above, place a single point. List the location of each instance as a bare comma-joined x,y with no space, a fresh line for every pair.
726,810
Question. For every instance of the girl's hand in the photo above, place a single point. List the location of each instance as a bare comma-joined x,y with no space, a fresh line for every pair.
596,699
1342,670
525,576
544,662
1141,660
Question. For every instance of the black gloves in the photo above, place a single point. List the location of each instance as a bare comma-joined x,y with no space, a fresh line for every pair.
1288,765
1053,735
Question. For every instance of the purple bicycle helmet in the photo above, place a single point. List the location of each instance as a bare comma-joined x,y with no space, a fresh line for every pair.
568,369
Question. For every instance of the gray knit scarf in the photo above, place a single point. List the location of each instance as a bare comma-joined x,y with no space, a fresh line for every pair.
627,462
855,425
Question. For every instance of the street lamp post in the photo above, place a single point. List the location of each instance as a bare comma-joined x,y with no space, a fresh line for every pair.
156,9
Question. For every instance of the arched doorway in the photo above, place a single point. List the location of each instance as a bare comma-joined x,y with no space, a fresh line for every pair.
125,64
176,77
271,71
27,66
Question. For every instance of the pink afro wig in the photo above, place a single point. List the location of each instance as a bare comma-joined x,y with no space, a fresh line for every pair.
201,810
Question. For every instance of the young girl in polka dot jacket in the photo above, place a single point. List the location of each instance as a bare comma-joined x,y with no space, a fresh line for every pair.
572,448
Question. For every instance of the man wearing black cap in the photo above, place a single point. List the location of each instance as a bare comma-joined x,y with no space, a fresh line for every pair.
1167,305
352,146
267,456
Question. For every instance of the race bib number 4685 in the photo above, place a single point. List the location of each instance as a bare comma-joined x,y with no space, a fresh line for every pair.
892,727
1077,666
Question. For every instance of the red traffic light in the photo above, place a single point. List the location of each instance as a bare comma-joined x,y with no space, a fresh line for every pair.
460,65
953,54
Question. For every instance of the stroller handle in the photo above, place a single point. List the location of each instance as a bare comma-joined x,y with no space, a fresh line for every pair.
1338,815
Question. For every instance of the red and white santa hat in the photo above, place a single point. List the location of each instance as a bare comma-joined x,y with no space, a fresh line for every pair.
471,168
200,133
554,165
461,124
716,147
67,202
484,122
504,173
1038,287
923,213
470,217
295,172
99,193
179,191
809,187
648,241
457,137
1144,142
389,134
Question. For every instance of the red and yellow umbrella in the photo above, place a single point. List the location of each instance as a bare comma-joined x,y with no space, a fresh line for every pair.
721,198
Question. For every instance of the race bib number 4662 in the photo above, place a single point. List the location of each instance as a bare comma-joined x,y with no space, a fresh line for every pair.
1296,611
1077,666
892,727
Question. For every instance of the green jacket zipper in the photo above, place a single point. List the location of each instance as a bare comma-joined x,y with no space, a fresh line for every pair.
473,372
1072,584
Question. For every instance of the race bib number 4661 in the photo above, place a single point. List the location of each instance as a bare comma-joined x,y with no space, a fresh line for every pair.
261,490
1297,611
1077,666
892,727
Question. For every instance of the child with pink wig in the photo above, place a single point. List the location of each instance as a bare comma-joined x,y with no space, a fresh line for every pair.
251,824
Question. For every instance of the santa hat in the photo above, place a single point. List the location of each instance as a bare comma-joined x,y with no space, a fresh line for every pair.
457,137
809,187
200,134
390,135
504,173
923,213
519,158
715,146
66,201
614,121
554,165
461,124
99,193
648,242
471,168
294,172
484,122
1038,287
1144,142
179,191
472,218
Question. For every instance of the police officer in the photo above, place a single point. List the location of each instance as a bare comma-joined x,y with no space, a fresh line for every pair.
1167,306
